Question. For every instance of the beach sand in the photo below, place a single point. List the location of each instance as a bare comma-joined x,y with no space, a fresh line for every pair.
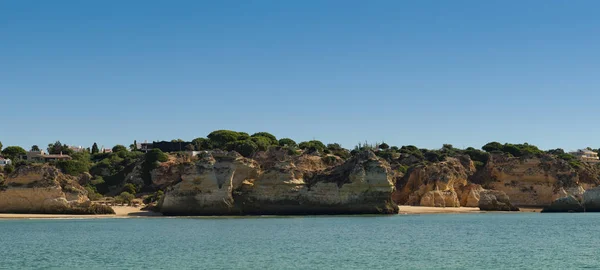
405,209
120,212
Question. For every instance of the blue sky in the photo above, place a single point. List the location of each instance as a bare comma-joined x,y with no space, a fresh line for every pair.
405,72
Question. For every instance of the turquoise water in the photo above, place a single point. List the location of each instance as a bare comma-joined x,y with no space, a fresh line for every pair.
445,241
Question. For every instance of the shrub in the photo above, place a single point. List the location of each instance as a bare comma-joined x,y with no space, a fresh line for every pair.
126,197
129,188
246,148
119,148
93,193
313,145
8,169
262,143
72,167
403,168
220,138
14,152
384,146
287,142
329,160
271,137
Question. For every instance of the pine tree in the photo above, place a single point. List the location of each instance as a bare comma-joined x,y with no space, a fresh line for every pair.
95,149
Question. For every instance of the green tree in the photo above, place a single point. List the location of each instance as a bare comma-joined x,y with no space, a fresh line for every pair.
246,148
73,167
313,145
8,169
220,138
271,137
35,148
59,148
126,197
0,146
95,149
287,142
263,143
14,152
119,148
384,146
201,144
493,146
130,188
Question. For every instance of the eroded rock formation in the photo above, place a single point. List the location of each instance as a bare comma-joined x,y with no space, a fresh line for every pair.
43,189
225,183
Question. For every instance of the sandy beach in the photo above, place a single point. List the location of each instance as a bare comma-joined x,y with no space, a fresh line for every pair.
120,212
405,209
132,212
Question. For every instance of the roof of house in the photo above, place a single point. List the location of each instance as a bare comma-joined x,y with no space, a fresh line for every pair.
56,156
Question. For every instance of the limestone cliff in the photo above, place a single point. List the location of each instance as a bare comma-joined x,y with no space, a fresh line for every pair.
42,189
442,184
535,181
224,183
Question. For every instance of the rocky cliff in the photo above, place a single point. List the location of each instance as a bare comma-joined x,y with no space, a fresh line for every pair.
536,181
442,184
225,183
44,189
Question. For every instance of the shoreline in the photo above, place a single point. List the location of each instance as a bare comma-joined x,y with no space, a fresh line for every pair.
137,212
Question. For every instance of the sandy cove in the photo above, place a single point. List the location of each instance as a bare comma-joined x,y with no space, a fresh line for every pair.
120,212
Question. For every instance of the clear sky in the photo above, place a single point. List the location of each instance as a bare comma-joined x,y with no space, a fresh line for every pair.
404,72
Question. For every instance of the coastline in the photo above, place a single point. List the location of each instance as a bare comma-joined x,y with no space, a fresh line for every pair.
136,212
120,212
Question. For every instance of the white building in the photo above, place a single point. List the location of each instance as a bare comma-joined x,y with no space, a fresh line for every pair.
4,161
586,155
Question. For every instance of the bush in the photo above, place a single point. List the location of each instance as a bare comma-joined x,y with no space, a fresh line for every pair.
8,169
72,167
272,139
14,152
93,193
126,197
329,160
246,148
403,168
119,148
129,188
202,144
220,138
287,142
262,143
384,146
312,146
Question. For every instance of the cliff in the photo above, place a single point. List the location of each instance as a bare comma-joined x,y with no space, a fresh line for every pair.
44,189
225,183
442,184
536,181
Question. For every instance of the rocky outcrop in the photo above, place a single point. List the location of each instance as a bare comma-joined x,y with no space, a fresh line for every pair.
225,183
534,181
43,189
493,200
439,184
565,204
591,200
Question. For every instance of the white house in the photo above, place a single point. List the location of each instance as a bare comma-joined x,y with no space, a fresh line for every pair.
4,162
586,155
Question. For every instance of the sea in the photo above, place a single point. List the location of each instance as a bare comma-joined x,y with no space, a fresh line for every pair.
432,241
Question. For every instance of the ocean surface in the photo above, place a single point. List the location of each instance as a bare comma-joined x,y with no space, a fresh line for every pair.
442,241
